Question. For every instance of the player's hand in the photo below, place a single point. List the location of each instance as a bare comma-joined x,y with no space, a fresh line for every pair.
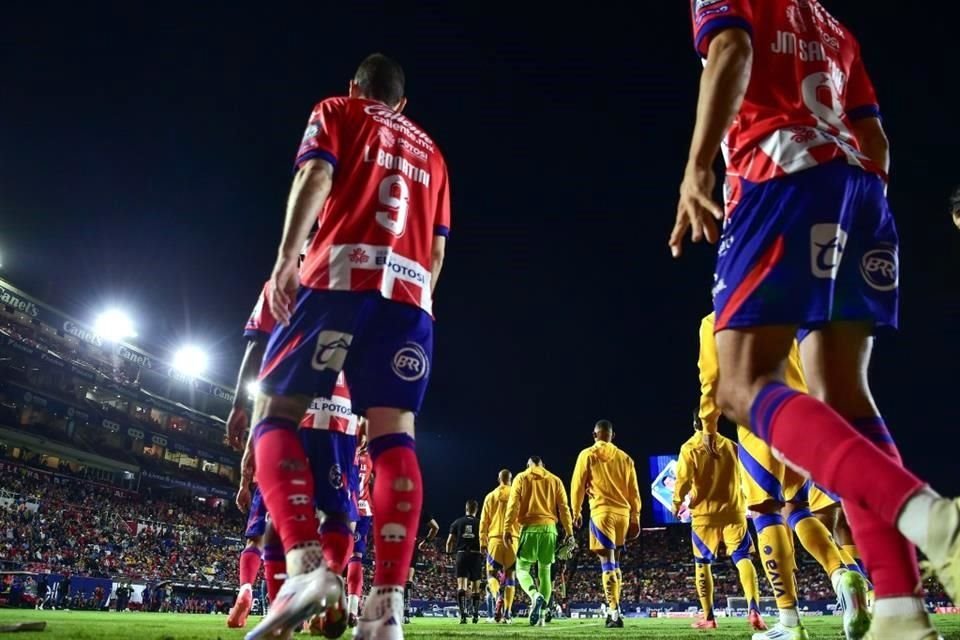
284,282
508,539
237,423
696,209
243,499
633,529
578,522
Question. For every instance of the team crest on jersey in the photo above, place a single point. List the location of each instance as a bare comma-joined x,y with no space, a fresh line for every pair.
387,139
331,351
312,129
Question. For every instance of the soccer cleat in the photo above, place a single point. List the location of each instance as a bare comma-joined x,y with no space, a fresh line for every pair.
382,612
352,620
498,611
852,598
476,617
548,616
240,610
702,623
536,610
507,619
756,621
300,597
914,627
463,619
780,632
333,623
943,545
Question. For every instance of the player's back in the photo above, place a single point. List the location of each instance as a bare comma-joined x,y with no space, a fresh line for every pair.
807,84
390,197
716,496
495,511
467,529
611,476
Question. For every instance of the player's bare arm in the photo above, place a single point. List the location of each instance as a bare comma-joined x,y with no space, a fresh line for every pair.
432,530
451,543
436,260
723,85
309,192
247,469
238,421
873,141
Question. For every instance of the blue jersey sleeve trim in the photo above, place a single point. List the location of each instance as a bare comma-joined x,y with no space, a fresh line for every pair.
713,27
866,111
323,154
440,230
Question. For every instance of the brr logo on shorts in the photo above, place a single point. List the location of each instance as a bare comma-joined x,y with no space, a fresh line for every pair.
331,350
410,362
881,269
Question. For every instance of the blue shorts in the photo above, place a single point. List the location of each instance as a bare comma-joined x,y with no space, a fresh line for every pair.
807,249
257,518
384,347
331,456
364,525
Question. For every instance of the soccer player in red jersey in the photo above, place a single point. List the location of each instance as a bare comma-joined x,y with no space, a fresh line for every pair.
362,304
809,244
363,467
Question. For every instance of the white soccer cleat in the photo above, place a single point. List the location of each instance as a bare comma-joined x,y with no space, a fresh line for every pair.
382,615
299,598
943,545
780,632
852,597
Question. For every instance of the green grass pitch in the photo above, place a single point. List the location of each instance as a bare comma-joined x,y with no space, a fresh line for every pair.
64,625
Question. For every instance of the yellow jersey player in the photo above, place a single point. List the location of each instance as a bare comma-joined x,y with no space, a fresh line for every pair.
769,485
500,555
707,470
537,502
608,477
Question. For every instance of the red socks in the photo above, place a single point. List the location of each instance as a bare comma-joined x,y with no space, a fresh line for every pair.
274,564
249,565
355,577
336,541
286,482
870,480
890,559
397,500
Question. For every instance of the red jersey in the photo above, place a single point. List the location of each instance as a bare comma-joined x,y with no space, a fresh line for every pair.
261,322
365,468
807,85
334,413
390,197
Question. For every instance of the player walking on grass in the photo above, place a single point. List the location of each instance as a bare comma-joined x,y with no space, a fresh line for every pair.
537,502
809,242
707,471
464,539
501,557
779,497
377,185
608,477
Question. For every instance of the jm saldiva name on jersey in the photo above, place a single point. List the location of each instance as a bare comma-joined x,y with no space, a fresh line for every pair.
790,44
398,163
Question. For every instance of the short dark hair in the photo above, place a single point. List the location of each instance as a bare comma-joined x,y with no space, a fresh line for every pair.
536,460
504,475
604,425
472,506
381,78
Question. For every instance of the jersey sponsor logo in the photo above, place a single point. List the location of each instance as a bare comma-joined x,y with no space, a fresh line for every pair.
880,268
359,256
410,362
827,242
384,115
331,351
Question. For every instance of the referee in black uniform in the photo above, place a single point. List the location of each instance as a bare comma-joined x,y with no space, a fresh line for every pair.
464,538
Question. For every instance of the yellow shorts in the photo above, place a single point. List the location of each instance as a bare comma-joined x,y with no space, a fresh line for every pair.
608,529
707,538
819,498
764,477
500,556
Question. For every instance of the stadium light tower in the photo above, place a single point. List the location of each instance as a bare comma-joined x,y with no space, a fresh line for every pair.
190,360
114,325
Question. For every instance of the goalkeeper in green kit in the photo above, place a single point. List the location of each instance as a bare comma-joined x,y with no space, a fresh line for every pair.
537,502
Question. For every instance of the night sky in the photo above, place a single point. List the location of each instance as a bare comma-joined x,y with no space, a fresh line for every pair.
145,159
